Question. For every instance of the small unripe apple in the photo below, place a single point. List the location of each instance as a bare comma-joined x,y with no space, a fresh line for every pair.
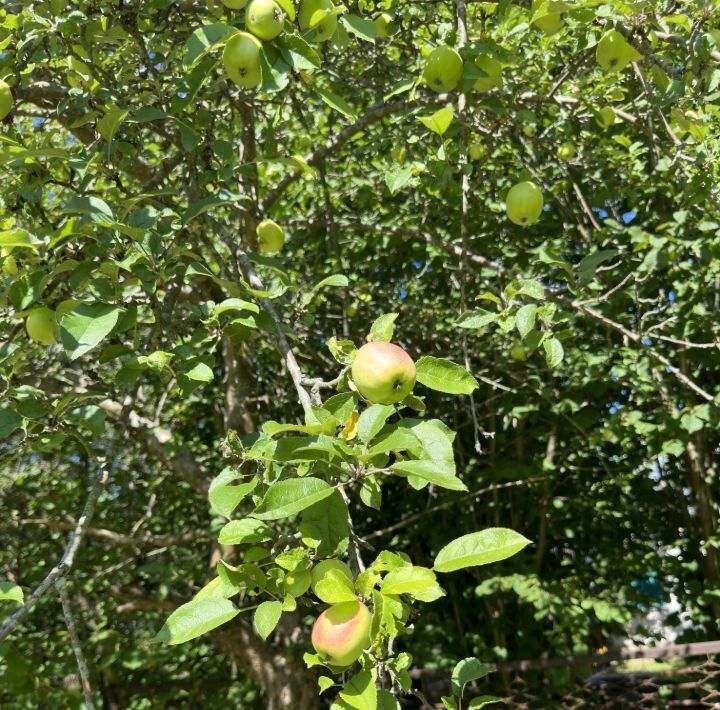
341,632
6,100
566,151
614,53
530,130
524,203
234,4
383,373
605,117
322,568
517,353
476,150
493,69
443,69
265,19
313,16
40,325
270,236
382,22
241,58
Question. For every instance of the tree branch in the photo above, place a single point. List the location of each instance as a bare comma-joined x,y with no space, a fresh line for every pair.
68,558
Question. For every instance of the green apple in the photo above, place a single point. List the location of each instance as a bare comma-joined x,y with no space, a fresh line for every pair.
566,151
493,69
517,353
551,22
6,100
241,58
605,117
234,4
443,69
341,632
383,372
476,149
614,53
40,325
270,236
319,18
322,568
530,130
524,203
382,22
265,19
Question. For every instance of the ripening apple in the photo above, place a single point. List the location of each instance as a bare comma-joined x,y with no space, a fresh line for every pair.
234,4
270,236
322,568
341,632
524,203
493,69
443,69
6,100
605,117
566,151
40,325
319,17
265,19
553,21
382,22
241,58
614,53
383,372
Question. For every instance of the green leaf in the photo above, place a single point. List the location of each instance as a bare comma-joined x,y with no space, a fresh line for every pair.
397,179
11,238
479,548
444,376
223,497
290,496
466,671
525,319
109,123
360,27
526,287
372,421
477,320
10,420
237,532
588,266
196,618
86,326
337,103
11,592
417,582
324,525
429,471
382,329
370,492
342,350
439,122
94,206
203,39
335,587
553,352
266,617
387,701
360,692
324,683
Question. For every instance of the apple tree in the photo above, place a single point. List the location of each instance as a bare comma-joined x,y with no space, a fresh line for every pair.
285,284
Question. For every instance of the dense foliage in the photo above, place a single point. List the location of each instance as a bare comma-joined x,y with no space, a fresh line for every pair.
177,351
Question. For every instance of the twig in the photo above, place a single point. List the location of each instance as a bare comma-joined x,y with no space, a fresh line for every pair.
68,558
654,353
443,506
60,584
286,351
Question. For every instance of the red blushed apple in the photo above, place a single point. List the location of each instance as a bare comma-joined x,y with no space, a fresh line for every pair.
342,632
383,373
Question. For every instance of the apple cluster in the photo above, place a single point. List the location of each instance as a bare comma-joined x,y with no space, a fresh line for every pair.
265,20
